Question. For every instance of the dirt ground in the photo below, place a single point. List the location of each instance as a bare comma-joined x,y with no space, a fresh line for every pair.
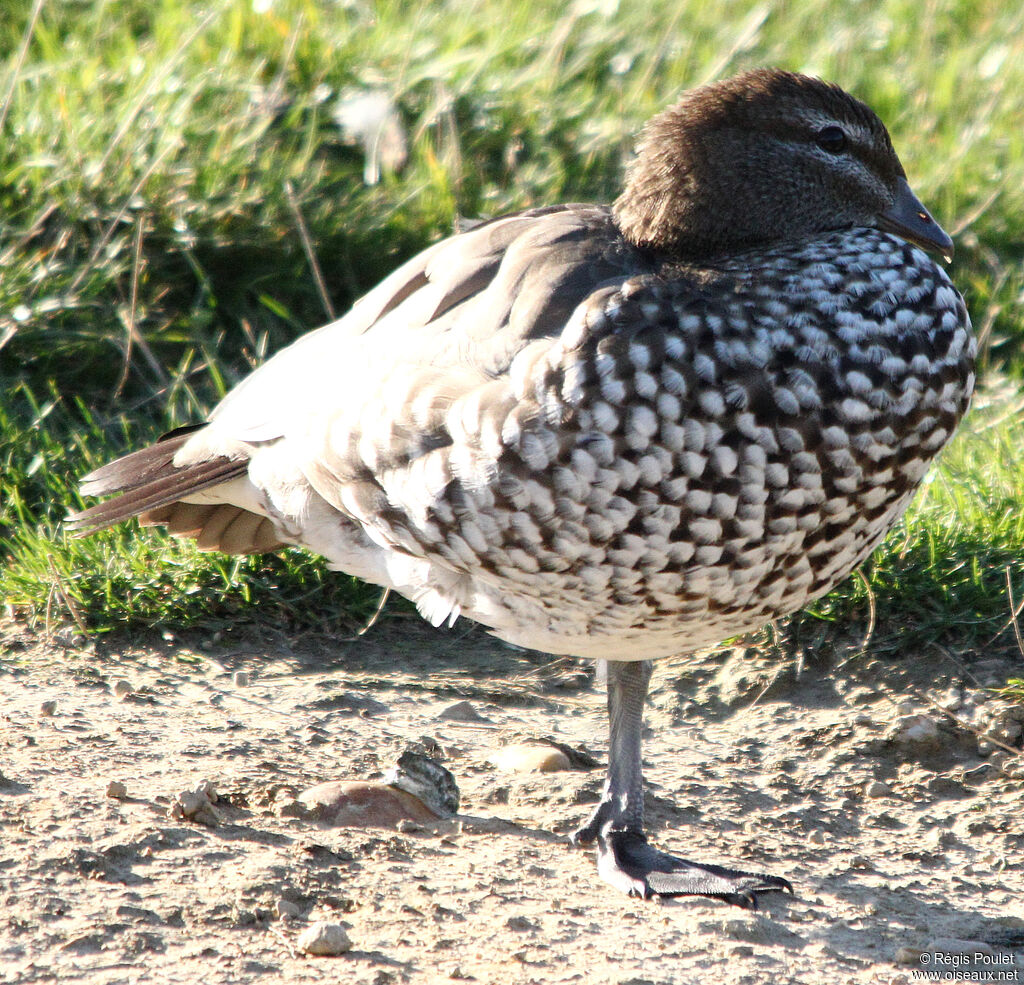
859,778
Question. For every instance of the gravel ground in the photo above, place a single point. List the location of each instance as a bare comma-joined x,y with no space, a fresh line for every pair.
150,832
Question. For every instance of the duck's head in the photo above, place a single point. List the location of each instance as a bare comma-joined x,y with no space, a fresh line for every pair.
762,158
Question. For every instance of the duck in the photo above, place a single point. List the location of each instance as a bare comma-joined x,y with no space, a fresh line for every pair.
614,431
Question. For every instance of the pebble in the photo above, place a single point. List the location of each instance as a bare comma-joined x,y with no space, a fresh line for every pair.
908,956
521,924
1006,726
241,678
286,908
324,939
48,708
117,790
876,788
363,804
462,711
816,837
197,805
527,758
122,689
918,732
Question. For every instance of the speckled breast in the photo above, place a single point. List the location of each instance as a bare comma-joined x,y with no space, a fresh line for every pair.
707,449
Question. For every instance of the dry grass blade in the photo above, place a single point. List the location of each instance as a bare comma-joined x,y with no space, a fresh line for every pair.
376,612
19,60
1014,613
57,588
307,246
131,330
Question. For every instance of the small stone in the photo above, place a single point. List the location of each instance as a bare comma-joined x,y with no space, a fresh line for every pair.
521,924
241,678
122,689
877,789
816,837
286,908
197,805
325,939
462,711
117,790
48,708
917,732
1006,727
527,758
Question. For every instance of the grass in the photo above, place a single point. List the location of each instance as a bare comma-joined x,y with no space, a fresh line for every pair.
162,161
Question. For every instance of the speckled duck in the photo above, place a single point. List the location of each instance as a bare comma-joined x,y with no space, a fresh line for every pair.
619,432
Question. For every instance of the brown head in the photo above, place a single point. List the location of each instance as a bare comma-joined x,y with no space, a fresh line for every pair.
765,157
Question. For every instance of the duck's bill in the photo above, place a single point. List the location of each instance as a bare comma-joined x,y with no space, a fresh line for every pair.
908,218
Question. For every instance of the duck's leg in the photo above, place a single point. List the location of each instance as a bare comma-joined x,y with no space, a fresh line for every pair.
617,825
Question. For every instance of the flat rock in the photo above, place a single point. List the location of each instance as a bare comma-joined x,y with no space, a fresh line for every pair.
527,758
326,939
362,804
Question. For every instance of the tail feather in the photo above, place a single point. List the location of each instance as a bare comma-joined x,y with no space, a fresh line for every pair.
137,468
216,527
147,480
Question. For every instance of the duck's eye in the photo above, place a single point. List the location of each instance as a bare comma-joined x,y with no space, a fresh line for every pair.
831,139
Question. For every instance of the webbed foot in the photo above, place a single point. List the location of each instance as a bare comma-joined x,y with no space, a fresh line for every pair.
628,862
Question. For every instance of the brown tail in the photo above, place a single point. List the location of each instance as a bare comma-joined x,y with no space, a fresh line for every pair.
146,482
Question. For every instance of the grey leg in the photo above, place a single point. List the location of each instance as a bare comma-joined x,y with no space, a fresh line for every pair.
617,825
622,803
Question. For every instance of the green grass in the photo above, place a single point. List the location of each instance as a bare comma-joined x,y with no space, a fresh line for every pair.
150,254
